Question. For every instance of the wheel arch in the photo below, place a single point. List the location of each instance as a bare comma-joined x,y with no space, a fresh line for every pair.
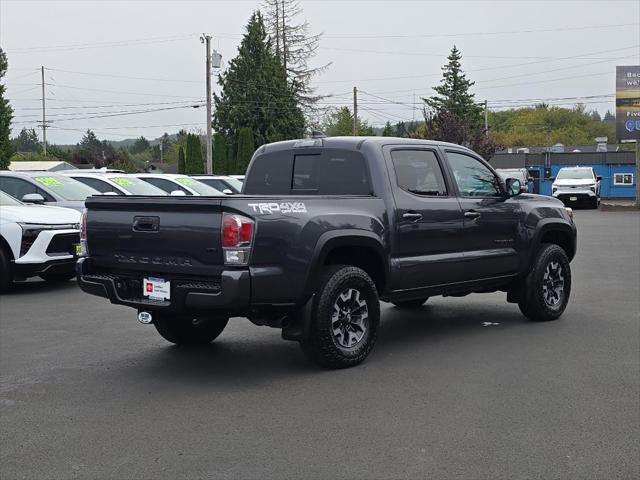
558,233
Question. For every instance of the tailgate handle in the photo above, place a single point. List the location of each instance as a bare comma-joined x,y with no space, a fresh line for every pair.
146,224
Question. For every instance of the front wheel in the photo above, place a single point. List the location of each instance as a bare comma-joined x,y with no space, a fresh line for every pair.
548,285
189,330
345,316
594,203
6,274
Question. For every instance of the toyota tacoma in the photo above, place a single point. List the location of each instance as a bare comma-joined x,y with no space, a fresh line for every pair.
324,229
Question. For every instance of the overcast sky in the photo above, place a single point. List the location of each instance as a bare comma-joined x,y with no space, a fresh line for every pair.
392,49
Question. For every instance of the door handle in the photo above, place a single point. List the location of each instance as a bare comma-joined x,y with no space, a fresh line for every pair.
471,214
412,216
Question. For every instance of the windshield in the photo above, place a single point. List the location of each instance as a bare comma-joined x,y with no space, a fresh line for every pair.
198,187
8,200
67,188
575,174
135,186
235,183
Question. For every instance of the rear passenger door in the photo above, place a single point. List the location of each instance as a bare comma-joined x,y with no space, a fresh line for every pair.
429,220
491,220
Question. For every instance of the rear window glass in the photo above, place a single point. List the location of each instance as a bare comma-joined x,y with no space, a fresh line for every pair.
330,172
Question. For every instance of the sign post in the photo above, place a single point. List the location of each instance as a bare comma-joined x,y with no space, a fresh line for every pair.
628,112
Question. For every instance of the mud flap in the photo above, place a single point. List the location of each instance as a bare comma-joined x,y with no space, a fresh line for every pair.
298,325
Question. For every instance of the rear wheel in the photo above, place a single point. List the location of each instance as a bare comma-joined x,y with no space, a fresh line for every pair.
411,303
188,329
57,277
344,318
548,285
6,271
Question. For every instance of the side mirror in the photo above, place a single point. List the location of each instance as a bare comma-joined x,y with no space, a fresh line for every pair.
514,187
33,198
599,178
177,193
227,191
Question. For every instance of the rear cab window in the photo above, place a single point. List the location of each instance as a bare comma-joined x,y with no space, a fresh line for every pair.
322,172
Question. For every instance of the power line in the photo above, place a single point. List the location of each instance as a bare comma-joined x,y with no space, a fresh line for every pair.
108,75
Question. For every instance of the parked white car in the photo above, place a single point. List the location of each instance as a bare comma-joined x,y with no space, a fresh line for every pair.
114,183
573,185
520,173
173,183
45,188
37,240
227,185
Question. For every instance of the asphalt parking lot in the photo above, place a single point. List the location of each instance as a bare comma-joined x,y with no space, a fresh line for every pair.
88,392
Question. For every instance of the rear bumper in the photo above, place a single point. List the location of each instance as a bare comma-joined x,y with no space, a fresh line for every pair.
231,292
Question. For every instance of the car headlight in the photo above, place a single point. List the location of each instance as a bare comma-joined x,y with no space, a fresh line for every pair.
593,188
554,189
30,232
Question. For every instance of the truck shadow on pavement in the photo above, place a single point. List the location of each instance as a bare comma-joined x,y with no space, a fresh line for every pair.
35,287
235,359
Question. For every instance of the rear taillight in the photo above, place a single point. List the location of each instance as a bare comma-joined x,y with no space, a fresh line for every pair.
84,249
237,235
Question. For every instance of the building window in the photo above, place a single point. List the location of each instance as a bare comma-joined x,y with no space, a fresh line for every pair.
623,178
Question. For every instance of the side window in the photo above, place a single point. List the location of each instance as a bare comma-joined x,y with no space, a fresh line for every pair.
473,178
418,172
17,188
269,174
305,175
165,185
99,185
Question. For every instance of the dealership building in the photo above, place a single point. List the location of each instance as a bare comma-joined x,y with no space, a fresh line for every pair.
617,169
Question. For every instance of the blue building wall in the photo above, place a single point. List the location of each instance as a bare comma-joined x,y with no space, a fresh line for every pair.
607,188
606,165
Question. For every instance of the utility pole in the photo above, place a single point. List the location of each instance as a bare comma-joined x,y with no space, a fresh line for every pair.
355,111
486,120
44,117
206,39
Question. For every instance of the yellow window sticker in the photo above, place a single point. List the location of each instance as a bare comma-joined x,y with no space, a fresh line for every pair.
123,182
185,181
48,181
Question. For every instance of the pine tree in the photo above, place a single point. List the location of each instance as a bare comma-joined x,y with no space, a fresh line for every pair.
340,123
245,150
220,155
453,94
6,115
294,45
181,161
387,131
256,93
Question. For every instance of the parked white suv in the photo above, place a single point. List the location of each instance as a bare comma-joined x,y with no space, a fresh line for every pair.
573,185
37,240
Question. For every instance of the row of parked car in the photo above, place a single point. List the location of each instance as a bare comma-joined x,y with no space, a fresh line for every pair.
40,213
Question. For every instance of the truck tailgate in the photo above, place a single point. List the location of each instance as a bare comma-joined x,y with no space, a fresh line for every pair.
155,235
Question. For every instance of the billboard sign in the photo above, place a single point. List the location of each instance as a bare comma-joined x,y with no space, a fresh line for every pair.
628,102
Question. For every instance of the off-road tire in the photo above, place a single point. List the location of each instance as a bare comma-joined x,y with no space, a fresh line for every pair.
410,304
533,304
322,346
189,330
57,277
6,270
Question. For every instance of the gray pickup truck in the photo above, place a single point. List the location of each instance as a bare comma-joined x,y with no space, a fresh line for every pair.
324,229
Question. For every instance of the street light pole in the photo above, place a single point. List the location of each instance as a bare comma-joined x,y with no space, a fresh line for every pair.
206,39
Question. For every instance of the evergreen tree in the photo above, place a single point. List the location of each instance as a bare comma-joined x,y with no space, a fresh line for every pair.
181,161
6,115
340,123
294,45
453,96
140,145
193,159
388,130
220,165
256,93
245,150
27,141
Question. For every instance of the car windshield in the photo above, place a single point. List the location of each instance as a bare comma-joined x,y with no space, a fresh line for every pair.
198,187
575,174
67,188
135,186
8,200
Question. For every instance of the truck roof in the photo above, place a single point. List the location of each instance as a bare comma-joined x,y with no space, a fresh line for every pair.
349,143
